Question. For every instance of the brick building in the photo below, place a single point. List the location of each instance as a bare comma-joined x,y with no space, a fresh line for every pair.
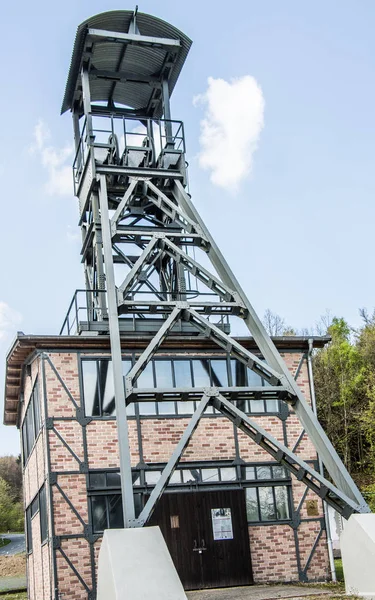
214,436
59,393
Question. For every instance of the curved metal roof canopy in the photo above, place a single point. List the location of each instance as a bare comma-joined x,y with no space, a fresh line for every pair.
126,69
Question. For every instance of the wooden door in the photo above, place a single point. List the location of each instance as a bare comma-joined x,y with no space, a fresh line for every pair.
207,536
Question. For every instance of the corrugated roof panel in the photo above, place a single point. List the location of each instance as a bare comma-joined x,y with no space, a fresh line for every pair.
144,61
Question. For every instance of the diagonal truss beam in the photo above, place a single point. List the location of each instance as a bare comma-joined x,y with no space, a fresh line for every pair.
295,465
137,268
172,210
148,353
234,348
323,446
123,204
173,462
191,265
283,455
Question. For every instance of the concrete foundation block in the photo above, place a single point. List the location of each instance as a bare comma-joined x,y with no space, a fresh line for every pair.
358,555
135,564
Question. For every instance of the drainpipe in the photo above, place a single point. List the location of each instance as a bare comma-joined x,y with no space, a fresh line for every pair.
325,506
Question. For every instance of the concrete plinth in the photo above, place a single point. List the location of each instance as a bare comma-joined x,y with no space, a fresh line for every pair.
135,564
358,555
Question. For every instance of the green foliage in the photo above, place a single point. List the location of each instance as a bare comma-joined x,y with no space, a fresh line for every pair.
344,374
339,569
11,472
4,542
11,512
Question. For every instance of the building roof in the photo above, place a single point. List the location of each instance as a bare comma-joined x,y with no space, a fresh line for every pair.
25,345
126,56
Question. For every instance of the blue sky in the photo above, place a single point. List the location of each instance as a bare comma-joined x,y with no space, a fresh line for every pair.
298,231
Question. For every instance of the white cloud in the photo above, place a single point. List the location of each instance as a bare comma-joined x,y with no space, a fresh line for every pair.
230,129
9,320
54,160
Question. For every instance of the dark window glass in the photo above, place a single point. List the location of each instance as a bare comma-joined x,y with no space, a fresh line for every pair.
99,513
43,514
279,472
34,506
24,443
201,372
219,372
238,373
182,373
115,511
29,539
113,480
97,480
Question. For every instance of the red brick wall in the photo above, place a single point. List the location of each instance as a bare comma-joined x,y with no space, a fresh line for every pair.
273,547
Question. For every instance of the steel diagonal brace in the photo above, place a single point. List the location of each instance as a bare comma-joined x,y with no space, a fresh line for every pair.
148,353
302,471
235,349
310,423
212,282
134,272
173,461
123,204
173,211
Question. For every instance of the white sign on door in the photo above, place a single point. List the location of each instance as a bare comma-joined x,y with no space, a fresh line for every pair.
222,523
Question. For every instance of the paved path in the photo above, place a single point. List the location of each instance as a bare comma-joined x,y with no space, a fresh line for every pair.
257,592
12,583
16,545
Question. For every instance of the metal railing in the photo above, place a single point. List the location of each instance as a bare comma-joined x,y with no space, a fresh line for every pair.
126,141
88,307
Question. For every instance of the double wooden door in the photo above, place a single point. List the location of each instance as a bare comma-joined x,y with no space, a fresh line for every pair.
207,536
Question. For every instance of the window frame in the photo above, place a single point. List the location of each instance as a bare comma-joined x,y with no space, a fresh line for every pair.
156,411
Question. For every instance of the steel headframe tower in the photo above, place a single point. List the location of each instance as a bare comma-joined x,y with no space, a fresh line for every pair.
143,245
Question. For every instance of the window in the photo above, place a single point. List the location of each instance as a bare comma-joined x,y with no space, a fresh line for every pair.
31,423
37,505
43,514
267,501
170,374
107,512
29,539
265,487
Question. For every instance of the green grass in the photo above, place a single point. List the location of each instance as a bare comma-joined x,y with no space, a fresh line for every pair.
339,569
4,542
17,596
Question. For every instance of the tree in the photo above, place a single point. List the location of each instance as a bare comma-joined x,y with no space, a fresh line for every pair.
11,472
340,384
275,325
11,513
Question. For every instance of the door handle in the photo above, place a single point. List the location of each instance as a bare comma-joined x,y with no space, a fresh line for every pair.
200,548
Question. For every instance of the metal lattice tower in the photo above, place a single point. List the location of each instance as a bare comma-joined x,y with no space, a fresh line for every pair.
151,265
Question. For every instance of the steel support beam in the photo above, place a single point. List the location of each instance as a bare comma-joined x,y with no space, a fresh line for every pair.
325,449
173,462
121,420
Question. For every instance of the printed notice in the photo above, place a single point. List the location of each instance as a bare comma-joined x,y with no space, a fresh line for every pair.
222,524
